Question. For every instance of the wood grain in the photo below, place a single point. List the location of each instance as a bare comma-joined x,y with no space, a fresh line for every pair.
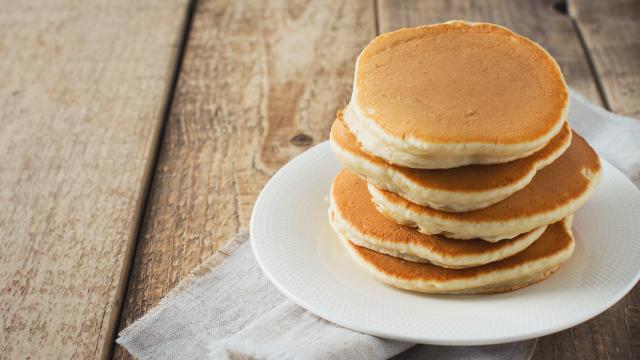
260,83
611,32
83,87
534,19
611,333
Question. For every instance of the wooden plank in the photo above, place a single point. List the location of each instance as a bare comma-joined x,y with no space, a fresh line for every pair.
611,333
260,83
611,32
83,87
535,19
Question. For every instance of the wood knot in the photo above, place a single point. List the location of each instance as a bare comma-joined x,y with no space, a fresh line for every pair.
561,7
301,140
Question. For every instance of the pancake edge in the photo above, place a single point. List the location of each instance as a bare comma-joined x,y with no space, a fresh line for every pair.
417,253
387,178
518,277
404,152
491,231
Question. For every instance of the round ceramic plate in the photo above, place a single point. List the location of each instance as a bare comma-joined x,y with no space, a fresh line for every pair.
296,248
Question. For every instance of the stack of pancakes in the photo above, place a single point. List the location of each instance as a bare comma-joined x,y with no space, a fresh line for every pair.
462,173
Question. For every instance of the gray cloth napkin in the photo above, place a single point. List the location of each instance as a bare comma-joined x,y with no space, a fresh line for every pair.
227,309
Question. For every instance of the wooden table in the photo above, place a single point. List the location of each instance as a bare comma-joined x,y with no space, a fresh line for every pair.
136,135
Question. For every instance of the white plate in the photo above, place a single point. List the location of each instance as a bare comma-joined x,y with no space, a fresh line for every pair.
298,251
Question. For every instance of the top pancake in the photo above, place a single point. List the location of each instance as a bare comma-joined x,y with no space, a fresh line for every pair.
474,84
463,188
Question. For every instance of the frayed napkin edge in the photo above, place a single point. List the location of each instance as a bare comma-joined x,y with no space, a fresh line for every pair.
213,261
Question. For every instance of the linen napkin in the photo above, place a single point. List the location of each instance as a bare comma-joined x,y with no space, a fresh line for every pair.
228,309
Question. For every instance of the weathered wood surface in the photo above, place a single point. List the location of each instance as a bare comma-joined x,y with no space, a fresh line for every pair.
83,87
260,83
608,335
611,32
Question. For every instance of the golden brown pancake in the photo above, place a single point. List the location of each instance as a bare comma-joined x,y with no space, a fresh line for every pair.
555,192
464,188
531,265
354,216
456,93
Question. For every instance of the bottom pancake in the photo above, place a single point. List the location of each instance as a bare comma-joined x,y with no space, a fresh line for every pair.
534,264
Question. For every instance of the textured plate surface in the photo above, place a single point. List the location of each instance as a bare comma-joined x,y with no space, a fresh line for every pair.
296,248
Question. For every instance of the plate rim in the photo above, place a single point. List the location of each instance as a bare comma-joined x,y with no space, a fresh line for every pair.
488,340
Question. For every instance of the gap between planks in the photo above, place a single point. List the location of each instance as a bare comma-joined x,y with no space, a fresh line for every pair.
144,204
589,58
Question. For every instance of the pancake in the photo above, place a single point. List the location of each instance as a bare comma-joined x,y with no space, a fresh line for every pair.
454,94
353,216
464,188
535,263
555,192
